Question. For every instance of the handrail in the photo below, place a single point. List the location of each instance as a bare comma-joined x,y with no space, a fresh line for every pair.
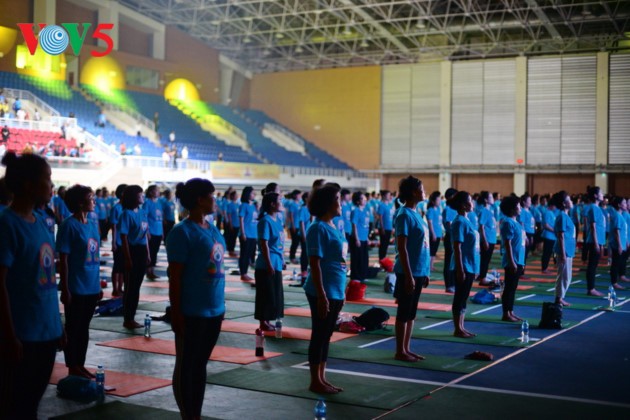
323,172
156,162
31,124
29,96
97,143
129,111
213,118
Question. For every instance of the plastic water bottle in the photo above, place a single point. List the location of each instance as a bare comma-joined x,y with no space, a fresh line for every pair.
295,276
260,343
147,326
320,410
525,331
613,298
100,383
278,327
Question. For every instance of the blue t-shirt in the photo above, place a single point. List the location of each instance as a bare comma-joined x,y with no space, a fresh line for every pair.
101,208
61,209
448,215
594,214
346,213
203,277
433,214
617,222
537,212
340,225
512,231
27,250
386,213
304,216
626,217
487,220
472,216
272,231
80,241
528,221
153,209
134,224
576,214
293,208
361,218
250,219
462,231
232,213
565,225
168,209
409,223
549,218
422,207
114,219
327,243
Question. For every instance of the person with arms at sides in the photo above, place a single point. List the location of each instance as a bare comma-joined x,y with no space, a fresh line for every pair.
448,215
434,221
79,279
465,261
575,213
624,257
153,209
232,223
585,226
514,240
118,268
548,236
487,234
326,282
30,324
385,215
268,274
346,213
564,248
59,206
412,264
134,232
101,212
195,251
595,237
248,220
293,208
529,226
618,240
304,221
359,246
168,212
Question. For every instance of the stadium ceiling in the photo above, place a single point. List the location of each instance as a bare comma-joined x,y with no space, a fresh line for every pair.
285,35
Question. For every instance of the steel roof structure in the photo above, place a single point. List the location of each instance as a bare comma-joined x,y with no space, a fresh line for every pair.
284,35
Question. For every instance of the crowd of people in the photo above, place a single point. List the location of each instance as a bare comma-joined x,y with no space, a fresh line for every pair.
325,224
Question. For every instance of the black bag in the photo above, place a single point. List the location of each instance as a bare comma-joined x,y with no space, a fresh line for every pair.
551,316
373,319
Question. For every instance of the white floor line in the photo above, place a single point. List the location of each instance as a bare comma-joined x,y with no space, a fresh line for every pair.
480,311
437,324
525,297
376,342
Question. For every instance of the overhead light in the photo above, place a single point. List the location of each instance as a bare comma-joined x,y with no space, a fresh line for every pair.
364,44
247,40
279,35
299,49
266,52
420,24
347,31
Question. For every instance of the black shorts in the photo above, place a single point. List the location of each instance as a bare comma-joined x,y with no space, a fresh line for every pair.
407,304
119,261
434,246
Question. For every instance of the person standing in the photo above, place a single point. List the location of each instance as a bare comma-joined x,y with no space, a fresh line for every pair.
359,246
232,223
195,251
434,221
618,240
595,237
168,212
118,268
385,214
529,226
153,210
565,231
487,234
448,215
548,236
248,220
513,239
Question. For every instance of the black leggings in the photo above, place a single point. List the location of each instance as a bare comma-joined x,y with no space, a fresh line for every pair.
167,225
384,244
591,268
303,254
509,291
624,262
530,246
433,246
547,251
154,248
449,276
462,291
484,260
248,249
78,316
103,226
617,260
192,350
230,234
133,281
359,260
295,242
23,383
322,329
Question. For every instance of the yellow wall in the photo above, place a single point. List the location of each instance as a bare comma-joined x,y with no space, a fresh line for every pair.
344,103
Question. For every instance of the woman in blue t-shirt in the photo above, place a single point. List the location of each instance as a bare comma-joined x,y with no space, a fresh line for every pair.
79,275
487,234
412,264
513,239
448,215
248,219
153,209
134,232
195,250
231,223
360,218
168,212
434,221
548,236
385,215
303,222
617,240
30,325
326,282
118,268
595,237
528,222
465,261
268,273
564,228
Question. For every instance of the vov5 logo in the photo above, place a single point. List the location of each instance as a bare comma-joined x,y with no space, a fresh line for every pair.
54,39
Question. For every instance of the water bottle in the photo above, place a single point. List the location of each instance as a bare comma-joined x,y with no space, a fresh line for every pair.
613,298
320,410
260,343
100,383
294,278
525,331
278,327
147,326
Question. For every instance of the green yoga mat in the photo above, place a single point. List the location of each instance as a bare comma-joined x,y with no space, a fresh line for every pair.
496,319
114,324
358,391
386,357
596,305
485,339
252,298
120,410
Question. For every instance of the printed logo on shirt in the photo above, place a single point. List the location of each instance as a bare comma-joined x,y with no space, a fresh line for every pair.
523,238
215,265
92,252
50,224
255,218
281,238
158,215
47,278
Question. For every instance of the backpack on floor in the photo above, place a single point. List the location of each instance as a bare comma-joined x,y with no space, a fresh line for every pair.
484,297
77,388
109,307
551,318
373,319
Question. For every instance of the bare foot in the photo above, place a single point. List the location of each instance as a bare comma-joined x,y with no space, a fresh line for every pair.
546,271
87,372
617,286
77,371
132,325
322,389
338,388
404,357
563,302
266,326
417,356
509,318
470,333
246,278
462,334
594,292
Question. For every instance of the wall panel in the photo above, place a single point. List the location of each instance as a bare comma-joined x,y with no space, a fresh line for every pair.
544,77
467,113
499,107
396,116
552,183
502,183
425,114
619,110
430,182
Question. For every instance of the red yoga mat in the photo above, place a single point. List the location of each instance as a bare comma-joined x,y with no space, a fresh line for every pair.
287,332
